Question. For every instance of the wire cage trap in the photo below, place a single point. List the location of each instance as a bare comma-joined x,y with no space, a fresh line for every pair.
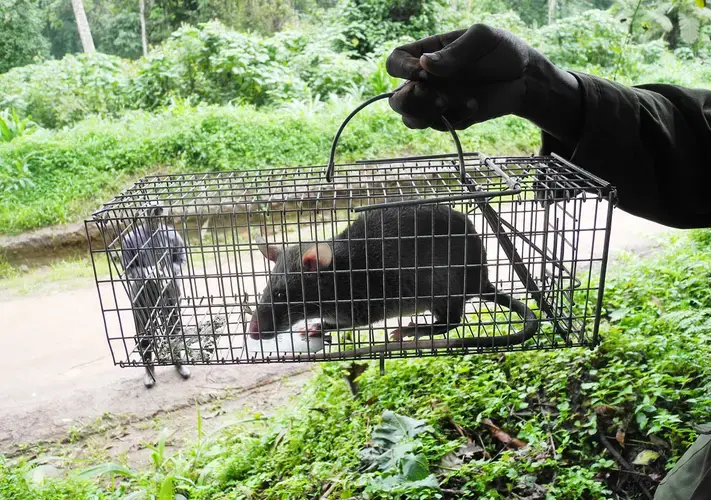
404,257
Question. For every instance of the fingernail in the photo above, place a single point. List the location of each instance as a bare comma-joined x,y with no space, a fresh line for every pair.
422,74
418,91
440,102
472,104
433,56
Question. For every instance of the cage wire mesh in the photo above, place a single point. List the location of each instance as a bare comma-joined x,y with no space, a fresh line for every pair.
375,259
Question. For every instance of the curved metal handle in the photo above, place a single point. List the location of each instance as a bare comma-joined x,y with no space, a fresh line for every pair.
331,162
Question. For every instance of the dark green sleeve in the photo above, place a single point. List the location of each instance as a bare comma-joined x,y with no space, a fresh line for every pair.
653,142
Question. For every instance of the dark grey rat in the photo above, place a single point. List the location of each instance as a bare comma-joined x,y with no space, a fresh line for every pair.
390,262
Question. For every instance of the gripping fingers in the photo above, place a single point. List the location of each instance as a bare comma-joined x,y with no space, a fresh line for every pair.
404,61
420,105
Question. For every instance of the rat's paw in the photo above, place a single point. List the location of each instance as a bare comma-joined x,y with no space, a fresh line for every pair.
311,331
401,333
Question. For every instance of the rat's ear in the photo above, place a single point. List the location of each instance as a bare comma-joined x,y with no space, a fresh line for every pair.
317,257
271,252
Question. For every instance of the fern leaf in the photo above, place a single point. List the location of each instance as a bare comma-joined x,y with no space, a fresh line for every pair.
688,28
663,21
705,13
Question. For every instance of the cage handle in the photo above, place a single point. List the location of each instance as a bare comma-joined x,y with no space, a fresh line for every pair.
387,95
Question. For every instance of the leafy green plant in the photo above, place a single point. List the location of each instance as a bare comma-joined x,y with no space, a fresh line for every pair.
12,125
15,174
370,23
22,39
394,441
678,21
592,38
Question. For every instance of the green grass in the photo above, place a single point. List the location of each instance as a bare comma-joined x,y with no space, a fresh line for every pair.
645,381
76,169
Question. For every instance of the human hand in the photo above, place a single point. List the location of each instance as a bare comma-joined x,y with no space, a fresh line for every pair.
470,76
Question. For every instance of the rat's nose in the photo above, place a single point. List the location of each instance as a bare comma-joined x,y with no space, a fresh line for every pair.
260,328
254,328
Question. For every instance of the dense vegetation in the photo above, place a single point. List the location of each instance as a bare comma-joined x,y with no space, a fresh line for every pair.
84,165
641,393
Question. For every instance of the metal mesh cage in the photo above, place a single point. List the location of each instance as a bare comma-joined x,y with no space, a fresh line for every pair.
418,256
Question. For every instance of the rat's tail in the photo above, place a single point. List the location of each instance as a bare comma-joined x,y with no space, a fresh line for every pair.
530,321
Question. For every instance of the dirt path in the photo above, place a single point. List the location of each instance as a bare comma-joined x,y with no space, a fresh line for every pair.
58,374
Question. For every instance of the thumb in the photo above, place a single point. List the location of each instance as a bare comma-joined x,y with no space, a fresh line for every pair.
478,41
445,62
440,63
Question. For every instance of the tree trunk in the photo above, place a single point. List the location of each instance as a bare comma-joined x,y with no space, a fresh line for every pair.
551,10
144,38
87,41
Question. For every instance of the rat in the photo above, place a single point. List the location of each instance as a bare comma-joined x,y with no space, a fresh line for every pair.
389,262
152,255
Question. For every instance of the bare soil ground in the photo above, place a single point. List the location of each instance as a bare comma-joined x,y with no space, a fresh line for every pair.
60,387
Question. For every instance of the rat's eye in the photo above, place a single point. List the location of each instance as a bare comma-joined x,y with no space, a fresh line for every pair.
280,296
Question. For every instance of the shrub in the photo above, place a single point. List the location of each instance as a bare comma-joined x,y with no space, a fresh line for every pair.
75,170
311,57
369,23
210,64
21,38
12,125
593,38
449,19
597,43
55,93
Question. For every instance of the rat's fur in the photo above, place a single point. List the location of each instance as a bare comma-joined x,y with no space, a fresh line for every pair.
415,259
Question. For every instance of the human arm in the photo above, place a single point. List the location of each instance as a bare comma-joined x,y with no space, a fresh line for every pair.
652,142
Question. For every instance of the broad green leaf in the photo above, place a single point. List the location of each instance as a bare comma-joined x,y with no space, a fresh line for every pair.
5,131
167,491
391,458
645,457
205,472
41,472
688,28
415,467
400,483
136,495
107,468
705,13
701,4
394,427
642,420
618,314
662,20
